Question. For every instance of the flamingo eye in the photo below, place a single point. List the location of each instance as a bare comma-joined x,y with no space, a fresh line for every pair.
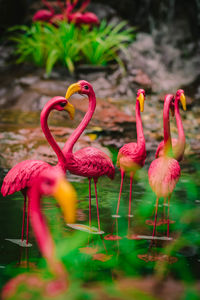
62,104
86,87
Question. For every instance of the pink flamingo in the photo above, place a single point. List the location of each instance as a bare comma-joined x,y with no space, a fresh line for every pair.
178,145
44,14
21,176
131,156
89,162
164,172
48,183
79,17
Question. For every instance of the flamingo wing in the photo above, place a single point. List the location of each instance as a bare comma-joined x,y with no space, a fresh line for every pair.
90,162
21,176
42,15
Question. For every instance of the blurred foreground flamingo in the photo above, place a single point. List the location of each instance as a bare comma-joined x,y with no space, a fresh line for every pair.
21,176
164,172
24,286
89,162
131,156
178,145
44,14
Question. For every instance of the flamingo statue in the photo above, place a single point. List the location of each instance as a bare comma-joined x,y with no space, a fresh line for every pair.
164,172
44,14
79,17
178,145
89,162
21,176
131,156
49,182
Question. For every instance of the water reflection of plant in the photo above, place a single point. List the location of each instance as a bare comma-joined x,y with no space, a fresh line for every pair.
46,45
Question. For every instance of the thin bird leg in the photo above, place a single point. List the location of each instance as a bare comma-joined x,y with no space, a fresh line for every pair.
130,195
27,222
97,204
168,217
154,228
164,209
122,179
24,213
89,201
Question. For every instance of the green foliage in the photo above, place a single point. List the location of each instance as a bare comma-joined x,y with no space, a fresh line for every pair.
47,45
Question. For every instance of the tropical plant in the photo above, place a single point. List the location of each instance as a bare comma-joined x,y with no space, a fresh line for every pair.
46,45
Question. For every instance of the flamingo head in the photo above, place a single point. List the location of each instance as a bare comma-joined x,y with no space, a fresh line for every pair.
180,96
141,98
61,103
81,87
53,183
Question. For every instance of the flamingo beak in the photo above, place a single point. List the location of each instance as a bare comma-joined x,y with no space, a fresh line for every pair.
183,101
65,194
70,109
72,89
141,100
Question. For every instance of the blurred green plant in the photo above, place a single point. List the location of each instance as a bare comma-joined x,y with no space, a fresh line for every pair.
46,45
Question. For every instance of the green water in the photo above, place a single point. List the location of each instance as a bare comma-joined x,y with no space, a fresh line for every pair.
123,254
179,258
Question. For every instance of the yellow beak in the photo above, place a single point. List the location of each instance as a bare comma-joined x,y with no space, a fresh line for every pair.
141,100
66,196
70,109
72,89
183,101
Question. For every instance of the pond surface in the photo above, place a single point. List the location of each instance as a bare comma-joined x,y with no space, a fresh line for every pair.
94,258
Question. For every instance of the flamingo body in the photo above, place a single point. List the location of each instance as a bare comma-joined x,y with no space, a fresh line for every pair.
164,173
43,15
83,18
130,158
90,162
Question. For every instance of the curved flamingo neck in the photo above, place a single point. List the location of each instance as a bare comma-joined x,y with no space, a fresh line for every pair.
47,4
70,6
181,134
43,120
68,147
84,5
42,233
139,128
166,126
40,228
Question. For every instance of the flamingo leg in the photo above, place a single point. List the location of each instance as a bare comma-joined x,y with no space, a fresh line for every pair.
27,223
24,213
89,201
154,228
130,195
122,179
97,205
164,210
168,217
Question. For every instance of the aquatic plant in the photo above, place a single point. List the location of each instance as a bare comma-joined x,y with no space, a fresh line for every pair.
46,45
